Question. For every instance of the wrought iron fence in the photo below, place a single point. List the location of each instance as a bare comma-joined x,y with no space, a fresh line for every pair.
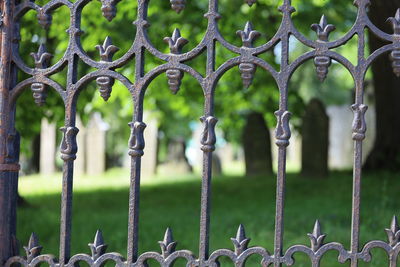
247,59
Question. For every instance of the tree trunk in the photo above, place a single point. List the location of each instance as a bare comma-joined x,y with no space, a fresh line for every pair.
386,151
35,159
257,145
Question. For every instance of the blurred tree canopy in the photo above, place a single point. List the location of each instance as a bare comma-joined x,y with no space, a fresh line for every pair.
176,112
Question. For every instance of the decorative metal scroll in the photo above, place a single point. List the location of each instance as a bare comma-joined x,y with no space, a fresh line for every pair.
248,61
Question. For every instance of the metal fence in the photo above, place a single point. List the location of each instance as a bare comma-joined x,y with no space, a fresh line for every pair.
247,59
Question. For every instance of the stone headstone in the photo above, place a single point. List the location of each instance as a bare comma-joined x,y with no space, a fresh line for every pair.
216,165
149,159
96,145
80,162
177,162
47,147
256,142
341,146
315,140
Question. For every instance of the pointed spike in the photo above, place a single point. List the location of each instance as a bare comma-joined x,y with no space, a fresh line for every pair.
397,16
394,225
248,27
107,42
42,49
33,241
168,238
176,34
317,229
98,238
241,234
323,22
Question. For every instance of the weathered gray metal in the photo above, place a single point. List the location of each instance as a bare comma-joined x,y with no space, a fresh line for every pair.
174,67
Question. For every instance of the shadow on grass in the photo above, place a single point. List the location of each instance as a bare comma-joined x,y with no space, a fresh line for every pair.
235,200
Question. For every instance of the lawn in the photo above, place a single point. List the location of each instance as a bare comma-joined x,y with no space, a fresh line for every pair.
102,203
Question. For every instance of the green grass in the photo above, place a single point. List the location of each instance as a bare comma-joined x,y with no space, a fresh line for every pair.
102,203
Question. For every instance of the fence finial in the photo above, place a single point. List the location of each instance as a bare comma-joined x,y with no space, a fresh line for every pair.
394,232
98,247
33,249
168,244
316,237
240,242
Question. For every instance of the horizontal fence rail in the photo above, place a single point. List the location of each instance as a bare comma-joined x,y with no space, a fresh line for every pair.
104,74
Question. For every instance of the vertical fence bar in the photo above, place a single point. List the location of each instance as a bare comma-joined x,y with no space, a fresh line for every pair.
359,129
136,146
282,135
69,146
8,171
136,140
69,149
208,140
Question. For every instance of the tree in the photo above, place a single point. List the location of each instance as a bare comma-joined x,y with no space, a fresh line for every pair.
386,151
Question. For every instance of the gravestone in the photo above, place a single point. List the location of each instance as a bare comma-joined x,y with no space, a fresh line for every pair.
256,142
47,147
149,159
315,141
96,145
177,162
79,164
340,137
216,164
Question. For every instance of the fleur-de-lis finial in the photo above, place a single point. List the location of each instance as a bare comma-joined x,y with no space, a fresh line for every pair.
106,51
395,54
322,63
168,245
323,29
248,35
316,237
98,247
176,42
33,249
287,7
42,57
394,232
178,5
247,69
395,21
42,60
240,242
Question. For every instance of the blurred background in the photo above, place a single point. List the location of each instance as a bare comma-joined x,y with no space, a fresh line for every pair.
320,157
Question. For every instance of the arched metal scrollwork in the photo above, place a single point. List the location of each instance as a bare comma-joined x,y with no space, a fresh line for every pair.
174,66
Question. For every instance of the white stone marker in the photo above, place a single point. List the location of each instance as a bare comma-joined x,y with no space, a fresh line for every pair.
47,147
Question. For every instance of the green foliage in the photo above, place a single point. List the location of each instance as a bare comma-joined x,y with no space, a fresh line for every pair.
175,112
